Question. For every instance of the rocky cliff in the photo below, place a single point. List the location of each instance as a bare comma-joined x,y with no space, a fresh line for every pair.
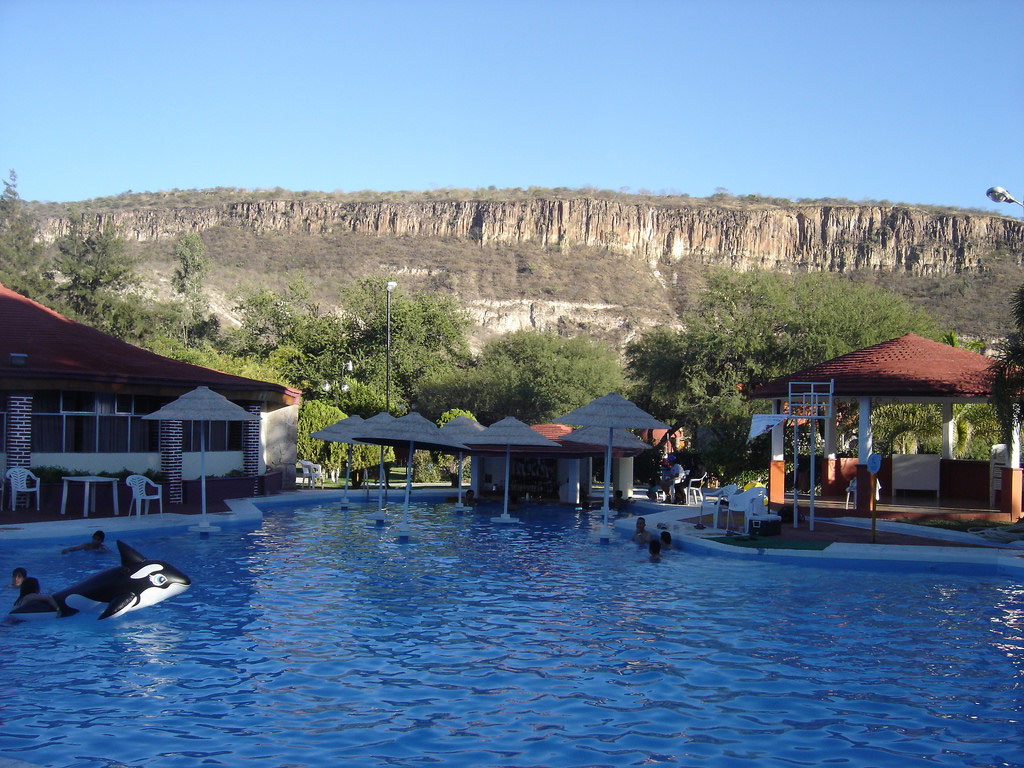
873,237
661,246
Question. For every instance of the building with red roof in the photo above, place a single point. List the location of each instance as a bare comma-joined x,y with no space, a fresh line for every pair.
73,397
908,369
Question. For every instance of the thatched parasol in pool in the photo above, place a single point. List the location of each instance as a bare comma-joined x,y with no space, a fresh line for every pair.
610,412
508,432
341,432
460,429
203,405
372,424
412,430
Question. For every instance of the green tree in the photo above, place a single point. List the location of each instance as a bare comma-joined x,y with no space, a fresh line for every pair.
95,283
22,263
1008,372
747,329
529,375
314,416
187,281
428,338
305,346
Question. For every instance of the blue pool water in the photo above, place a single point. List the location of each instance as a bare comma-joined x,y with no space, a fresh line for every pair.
317,638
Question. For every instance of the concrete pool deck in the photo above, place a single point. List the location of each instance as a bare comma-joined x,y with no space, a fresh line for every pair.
834,538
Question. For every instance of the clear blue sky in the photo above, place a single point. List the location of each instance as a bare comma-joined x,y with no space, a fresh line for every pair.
920,101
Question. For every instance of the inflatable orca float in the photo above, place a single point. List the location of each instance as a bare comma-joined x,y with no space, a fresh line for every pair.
136,583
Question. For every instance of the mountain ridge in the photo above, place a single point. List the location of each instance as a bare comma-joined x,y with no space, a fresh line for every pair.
605,265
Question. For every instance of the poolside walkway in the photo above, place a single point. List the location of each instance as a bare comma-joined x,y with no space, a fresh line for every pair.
836,538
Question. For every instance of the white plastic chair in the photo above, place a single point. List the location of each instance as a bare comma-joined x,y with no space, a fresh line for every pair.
694,490
717,498
140,484
747,503
19,477
309,473
851,490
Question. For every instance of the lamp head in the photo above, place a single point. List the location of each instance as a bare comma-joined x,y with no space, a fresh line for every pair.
1000,195
391,286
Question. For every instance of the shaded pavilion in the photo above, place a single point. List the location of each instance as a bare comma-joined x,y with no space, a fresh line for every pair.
559,471
908,369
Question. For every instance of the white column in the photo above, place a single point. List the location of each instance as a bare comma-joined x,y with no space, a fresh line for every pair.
624,476
571,489
948,431
778,434
475,463
830,449
864,435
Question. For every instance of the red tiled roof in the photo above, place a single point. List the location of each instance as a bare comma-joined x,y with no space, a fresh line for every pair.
566,449
63,353
551,431
909,367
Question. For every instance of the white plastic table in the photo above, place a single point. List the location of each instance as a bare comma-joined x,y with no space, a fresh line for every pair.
89,492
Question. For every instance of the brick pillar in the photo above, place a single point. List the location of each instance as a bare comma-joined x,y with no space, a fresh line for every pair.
251,447
777,485
170,458
1009,499
19,435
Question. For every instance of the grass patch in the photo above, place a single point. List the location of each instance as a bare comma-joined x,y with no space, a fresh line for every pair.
769,543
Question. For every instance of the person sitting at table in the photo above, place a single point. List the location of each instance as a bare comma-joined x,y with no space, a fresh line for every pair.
95,543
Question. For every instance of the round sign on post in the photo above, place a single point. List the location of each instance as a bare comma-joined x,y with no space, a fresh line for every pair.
874,463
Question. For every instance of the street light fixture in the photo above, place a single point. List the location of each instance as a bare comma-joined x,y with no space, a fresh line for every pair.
387,375
1000,195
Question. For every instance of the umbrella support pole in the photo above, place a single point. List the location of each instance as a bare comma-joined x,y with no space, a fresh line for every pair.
348,473
404,529
505,517
458,504
378,516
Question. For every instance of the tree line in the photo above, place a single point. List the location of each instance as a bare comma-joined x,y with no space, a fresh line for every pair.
745,330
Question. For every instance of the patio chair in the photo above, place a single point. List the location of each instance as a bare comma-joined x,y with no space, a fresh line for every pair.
309,473
22,481
140,485
717,498
746,503
851,490
694,492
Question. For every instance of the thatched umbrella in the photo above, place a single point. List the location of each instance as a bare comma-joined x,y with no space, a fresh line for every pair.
459,429
509,432
341,432
610,412
412,430
203,405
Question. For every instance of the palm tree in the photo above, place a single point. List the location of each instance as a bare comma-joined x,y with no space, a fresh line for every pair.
1008,371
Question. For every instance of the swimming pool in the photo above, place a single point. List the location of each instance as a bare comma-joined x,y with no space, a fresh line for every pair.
317,638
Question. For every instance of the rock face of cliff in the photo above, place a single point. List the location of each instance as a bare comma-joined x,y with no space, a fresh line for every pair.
661,243
811,238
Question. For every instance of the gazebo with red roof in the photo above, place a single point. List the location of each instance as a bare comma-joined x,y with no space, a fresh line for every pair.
909,369
73,397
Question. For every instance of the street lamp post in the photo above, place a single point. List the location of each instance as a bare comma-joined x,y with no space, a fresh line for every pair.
387,365
1000,195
